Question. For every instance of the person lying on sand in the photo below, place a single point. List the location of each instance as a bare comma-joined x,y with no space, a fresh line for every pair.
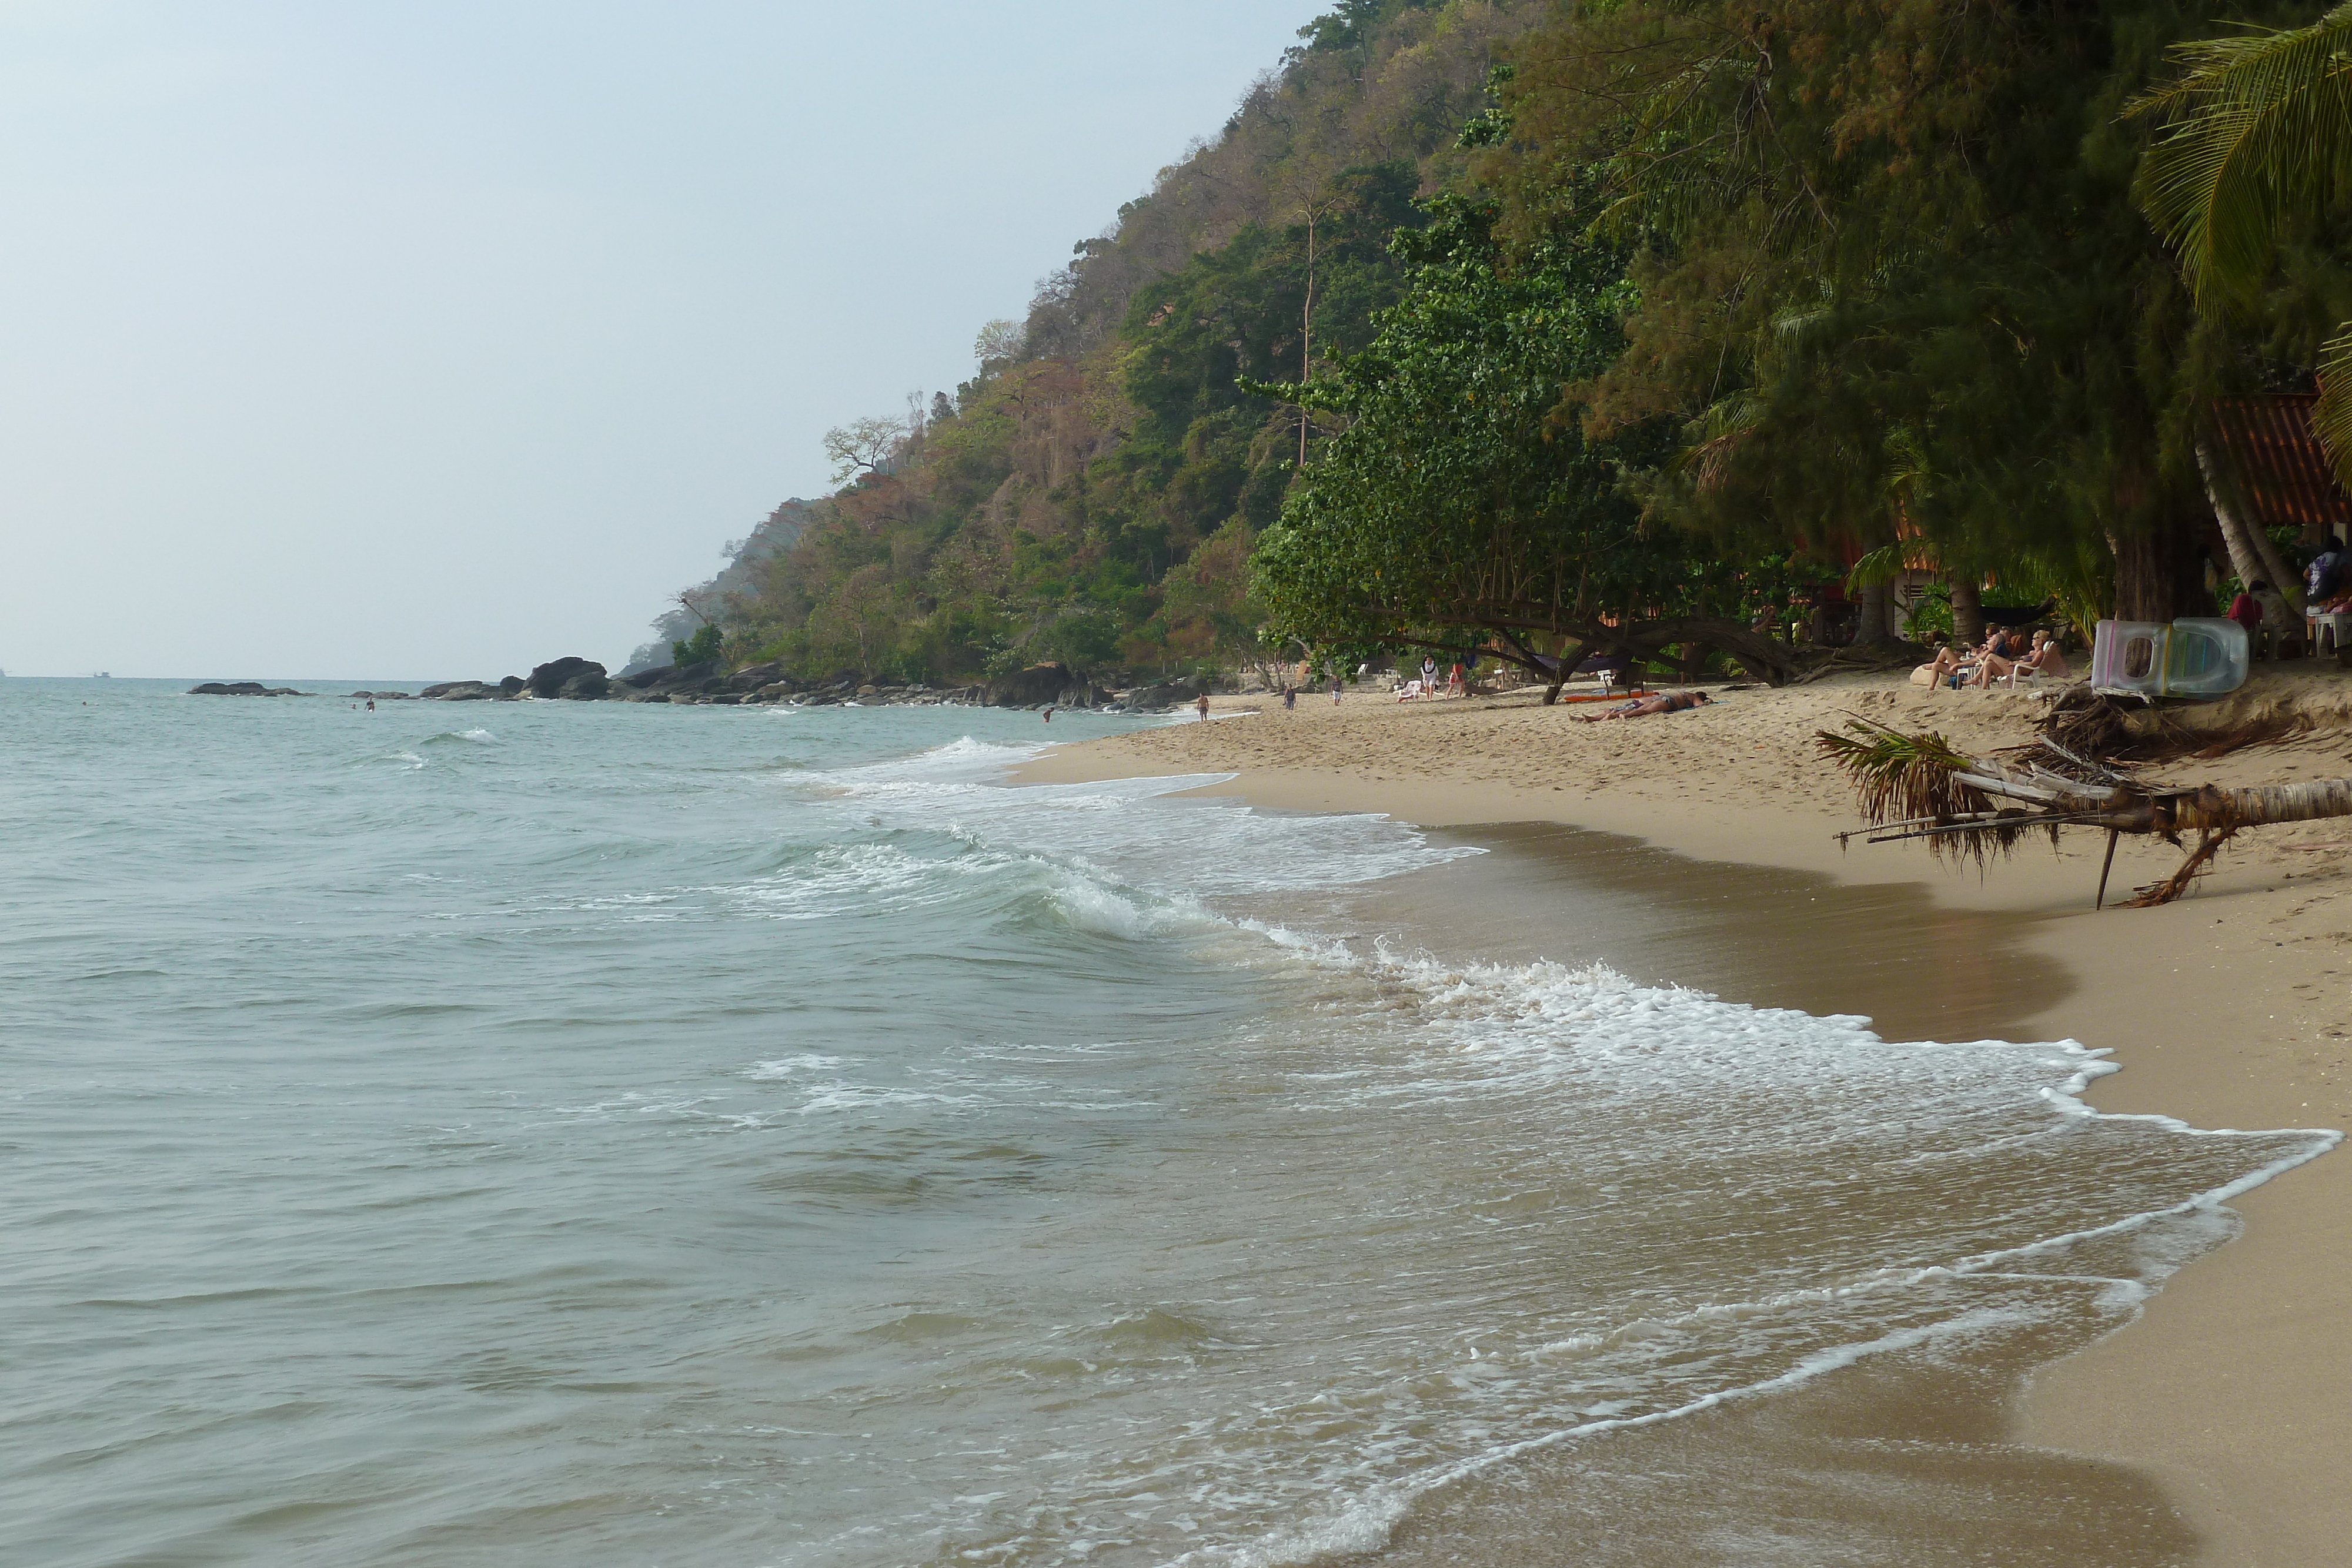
1642,707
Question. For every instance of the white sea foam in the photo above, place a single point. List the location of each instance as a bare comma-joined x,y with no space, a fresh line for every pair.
1547,1024
1131,828
785,1067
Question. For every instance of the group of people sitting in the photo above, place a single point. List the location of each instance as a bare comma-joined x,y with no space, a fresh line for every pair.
2272,626
2004,655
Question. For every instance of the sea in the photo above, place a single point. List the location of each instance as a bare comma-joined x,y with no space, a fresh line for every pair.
604,1134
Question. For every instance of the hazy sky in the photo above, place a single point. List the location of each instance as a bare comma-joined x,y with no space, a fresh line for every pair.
429,341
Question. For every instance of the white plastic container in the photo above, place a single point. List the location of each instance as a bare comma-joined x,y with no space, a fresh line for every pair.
2196,656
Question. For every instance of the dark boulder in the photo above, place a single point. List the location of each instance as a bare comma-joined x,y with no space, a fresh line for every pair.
751,677
448,689
1166,695
586,686
1026,688
512,685
242,689
548,680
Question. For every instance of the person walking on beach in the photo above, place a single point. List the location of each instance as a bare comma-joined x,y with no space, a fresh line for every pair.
1335,689
1289,699
1201,705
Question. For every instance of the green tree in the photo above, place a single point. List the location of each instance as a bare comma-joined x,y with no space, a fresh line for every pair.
700,648
1892,278
1457,507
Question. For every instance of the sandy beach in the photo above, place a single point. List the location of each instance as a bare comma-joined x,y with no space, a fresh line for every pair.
2228,1009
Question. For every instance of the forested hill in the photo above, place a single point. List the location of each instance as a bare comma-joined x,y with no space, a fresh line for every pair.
1092,494
1664,327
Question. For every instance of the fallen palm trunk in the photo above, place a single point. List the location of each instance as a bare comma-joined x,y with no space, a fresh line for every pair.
1917,786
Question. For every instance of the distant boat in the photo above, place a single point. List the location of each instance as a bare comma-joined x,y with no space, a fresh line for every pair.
101,676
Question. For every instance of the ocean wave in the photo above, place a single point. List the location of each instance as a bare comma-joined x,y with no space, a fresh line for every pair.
1134,829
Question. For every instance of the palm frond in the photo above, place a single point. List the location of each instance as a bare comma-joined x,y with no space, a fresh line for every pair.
1899,777
2260,130
2331,416
1913,781
1885,565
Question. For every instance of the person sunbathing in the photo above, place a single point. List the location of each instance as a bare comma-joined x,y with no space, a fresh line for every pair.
1642,707
2042,658
1950,663
1960,666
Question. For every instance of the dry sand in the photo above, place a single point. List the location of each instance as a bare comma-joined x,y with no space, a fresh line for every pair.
2232,1007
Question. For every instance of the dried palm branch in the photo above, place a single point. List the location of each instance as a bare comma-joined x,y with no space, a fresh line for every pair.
1911,778
1918,787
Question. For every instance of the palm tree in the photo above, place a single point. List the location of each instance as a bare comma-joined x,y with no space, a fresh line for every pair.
2260,133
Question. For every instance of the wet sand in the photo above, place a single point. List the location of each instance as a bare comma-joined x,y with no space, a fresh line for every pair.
1907,1458
2213,1429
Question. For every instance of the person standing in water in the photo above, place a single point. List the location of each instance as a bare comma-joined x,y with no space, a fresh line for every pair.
1202,704
1049,716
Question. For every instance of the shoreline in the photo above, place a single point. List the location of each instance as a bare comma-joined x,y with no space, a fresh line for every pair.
2226,1010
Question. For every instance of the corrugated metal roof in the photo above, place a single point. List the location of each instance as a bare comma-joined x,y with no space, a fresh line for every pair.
2281,469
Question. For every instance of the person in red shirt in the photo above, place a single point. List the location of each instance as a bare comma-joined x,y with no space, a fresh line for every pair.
2247,612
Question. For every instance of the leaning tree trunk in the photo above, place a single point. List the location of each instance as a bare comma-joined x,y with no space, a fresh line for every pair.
2243,560
2289,585
1968,612
2217,814
2249,544
2214,809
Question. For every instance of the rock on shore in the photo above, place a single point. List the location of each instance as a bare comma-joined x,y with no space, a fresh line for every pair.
576,679
243,689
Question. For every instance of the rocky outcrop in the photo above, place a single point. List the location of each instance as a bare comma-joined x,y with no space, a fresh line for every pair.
243,689
549,680
751,677
1165,696
1039,683
387,696
584,680
666,681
